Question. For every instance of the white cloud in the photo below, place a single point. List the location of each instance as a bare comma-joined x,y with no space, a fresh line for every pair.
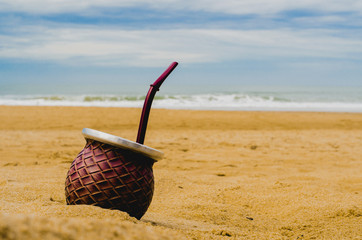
99,46
226,6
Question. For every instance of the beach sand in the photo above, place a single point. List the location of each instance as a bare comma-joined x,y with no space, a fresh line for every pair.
225,175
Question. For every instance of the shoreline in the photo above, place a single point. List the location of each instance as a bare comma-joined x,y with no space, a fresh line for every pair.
264,99
261,110
329,109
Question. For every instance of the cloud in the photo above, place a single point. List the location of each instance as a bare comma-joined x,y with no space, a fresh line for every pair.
226,6
109,44
110,47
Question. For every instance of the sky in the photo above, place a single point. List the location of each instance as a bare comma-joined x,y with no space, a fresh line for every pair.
217,43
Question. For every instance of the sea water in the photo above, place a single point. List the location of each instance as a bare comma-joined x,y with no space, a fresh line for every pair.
235,98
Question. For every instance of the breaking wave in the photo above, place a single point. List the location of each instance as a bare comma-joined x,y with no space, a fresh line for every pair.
222,101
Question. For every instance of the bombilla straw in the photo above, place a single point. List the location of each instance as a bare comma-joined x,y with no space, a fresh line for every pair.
148,102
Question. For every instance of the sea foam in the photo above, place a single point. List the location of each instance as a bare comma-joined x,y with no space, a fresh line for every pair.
223,101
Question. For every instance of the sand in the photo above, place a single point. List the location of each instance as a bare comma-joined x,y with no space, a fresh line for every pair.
225,175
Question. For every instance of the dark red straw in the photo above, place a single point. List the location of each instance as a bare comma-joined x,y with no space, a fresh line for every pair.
148,102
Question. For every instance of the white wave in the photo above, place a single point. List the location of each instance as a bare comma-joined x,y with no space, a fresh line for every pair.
253,103
194,102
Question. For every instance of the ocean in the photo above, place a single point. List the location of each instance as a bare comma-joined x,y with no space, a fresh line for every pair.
234,98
